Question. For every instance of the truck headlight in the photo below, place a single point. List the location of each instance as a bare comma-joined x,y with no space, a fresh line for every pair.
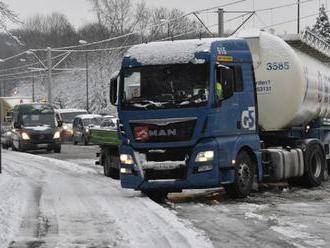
25,136
205,156
65,127
57,135
126,159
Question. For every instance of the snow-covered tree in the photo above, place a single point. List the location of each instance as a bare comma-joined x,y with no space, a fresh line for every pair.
322,26
6,15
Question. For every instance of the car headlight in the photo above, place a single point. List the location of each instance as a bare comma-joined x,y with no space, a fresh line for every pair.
205,156
57,135
126,159
25,136
87,129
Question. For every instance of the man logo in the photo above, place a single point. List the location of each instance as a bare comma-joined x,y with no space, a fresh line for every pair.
162,132
144,133
141,133
248,119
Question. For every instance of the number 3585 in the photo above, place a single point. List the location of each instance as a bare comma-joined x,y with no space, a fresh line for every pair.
278,66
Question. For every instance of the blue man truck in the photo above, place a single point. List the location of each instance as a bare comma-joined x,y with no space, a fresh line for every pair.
221,112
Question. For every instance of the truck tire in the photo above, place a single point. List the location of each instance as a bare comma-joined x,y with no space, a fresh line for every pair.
244,176
5,146
109,168
85,140
314,165
158,196
57,149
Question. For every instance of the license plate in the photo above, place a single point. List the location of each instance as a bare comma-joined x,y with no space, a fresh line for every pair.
162,165
42,145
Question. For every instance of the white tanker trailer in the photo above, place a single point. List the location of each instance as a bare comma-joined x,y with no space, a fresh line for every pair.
222,112
293,88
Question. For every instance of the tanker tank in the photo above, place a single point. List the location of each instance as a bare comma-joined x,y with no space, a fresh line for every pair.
292,87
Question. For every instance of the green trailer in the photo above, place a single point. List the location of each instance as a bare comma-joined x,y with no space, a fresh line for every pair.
108,141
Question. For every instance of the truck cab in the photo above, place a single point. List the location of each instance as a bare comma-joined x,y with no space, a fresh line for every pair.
188,118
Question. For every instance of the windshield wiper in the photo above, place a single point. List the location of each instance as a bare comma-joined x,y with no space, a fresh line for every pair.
147,103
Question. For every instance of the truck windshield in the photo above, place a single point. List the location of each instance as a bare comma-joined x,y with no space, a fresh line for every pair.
165,86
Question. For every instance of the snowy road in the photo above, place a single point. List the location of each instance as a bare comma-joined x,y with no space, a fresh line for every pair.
51,203
275,218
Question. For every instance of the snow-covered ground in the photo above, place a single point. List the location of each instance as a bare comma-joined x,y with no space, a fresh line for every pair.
273,218
51,203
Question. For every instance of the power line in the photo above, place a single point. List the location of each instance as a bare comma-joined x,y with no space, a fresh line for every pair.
32,64
292,20
149,26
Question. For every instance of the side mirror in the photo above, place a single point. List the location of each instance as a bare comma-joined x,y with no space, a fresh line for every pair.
17,125
113,90
59,123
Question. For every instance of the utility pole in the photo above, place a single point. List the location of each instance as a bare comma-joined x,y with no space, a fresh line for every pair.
50,79
87,93
220,23
33,87
298,19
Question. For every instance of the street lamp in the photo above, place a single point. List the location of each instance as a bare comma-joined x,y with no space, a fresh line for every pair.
83,42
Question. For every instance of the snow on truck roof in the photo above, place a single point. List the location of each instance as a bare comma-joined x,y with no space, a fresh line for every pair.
170,52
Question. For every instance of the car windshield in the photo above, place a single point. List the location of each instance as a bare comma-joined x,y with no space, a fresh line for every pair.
165,86
69,116
92,121
34,120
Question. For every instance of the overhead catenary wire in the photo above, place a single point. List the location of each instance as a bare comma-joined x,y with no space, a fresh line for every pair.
32,64
262,10
292,20
149,26
40,74
100,50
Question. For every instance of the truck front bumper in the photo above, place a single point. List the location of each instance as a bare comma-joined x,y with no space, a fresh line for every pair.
196,175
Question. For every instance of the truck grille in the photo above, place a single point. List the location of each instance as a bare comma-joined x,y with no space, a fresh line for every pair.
163,130
178,173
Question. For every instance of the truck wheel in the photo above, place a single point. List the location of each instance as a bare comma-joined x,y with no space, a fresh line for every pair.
5,146
156,195
244,176
109,167
57,149
85,140
314,165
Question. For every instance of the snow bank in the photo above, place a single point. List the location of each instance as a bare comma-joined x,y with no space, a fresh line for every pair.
82,207
12,205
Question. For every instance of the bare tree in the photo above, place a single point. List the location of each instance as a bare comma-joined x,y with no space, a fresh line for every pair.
6,15
116,15
51,30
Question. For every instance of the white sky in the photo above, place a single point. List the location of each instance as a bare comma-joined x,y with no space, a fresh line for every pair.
79,11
